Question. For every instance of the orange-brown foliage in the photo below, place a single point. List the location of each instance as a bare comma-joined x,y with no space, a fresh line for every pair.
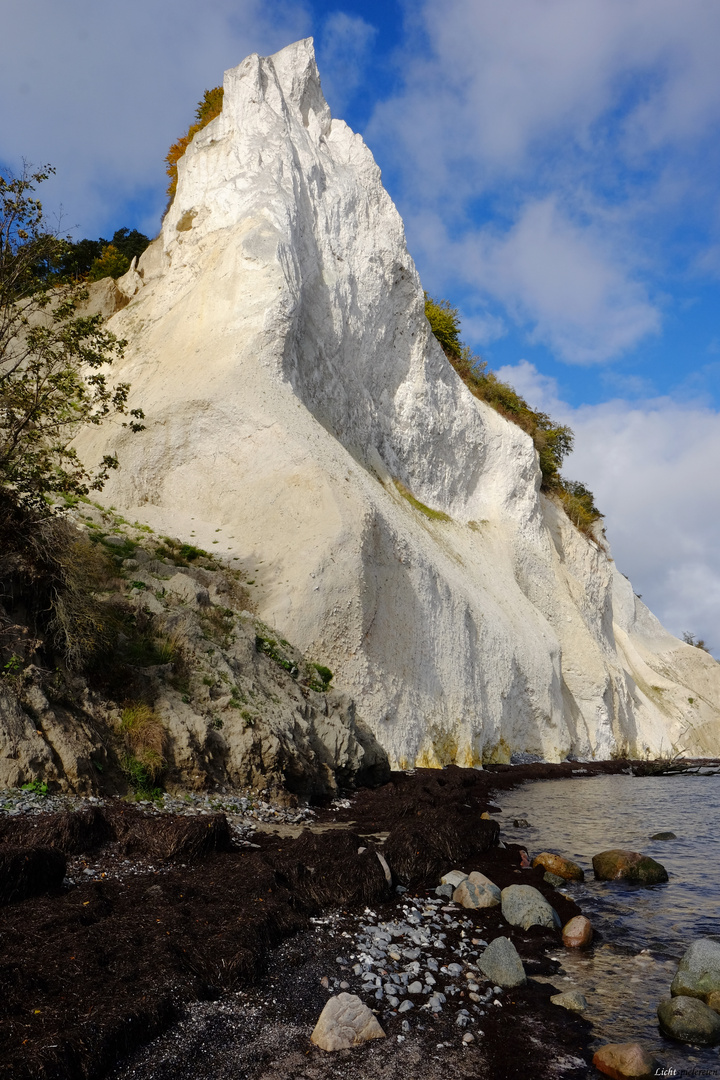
207,110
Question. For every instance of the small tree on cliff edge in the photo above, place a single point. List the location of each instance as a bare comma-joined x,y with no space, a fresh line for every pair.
53,362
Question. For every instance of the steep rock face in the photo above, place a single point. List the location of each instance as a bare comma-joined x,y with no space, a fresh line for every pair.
280,351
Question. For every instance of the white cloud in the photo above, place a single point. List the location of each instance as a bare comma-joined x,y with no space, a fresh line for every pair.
499,80
343,52
652,466
584,132
102,90
564,282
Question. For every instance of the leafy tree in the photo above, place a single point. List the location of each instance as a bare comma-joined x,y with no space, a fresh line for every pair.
110,263
699,643
53,362
76,259
208,108
130,244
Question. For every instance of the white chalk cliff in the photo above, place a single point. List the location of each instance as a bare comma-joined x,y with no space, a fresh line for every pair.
279,348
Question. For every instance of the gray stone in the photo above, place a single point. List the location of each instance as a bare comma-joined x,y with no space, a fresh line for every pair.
663,836
500,963
698,973
572,1000
344,1022
405,1006
445,891
415,988
475,895
523,905
689,1020
454,877
553,879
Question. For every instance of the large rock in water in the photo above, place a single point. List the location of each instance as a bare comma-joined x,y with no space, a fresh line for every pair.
290,382
625,1061
619,865
698,973
562,868
689,1020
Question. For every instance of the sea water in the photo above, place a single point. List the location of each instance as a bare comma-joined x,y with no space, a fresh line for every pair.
641,932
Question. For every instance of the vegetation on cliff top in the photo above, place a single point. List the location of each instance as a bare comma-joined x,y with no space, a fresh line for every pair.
553,441
208,108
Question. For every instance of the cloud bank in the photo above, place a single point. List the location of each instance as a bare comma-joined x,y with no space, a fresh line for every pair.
101,91
652,466
585,134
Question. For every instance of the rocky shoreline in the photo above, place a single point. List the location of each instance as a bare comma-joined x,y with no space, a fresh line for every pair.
201,938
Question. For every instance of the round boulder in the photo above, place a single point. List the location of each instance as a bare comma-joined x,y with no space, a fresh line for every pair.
344,1022
698,973
501,964
578,933
689,1020
556,864
525,906
572,1000
625,1061
713,1000
619,865
475,894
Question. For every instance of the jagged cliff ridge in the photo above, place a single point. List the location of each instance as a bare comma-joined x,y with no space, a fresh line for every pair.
280,351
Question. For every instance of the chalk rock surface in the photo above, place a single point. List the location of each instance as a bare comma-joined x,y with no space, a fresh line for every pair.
290,381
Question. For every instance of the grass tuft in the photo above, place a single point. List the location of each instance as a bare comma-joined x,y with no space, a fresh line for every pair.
434,515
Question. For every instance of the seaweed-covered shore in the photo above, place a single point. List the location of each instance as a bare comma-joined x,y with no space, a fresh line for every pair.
178,947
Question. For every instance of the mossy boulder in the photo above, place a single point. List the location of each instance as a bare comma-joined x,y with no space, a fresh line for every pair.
689,1020
619,865
698,973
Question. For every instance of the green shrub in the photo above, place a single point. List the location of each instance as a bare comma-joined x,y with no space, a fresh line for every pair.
37,787
145,735
445,324
320,678
270,648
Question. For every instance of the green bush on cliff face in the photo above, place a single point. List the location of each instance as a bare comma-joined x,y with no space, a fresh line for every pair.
553,442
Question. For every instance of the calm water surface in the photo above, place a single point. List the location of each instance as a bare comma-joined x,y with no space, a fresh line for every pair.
642,932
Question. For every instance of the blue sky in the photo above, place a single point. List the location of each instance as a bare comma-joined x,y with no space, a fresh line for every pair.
556,163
